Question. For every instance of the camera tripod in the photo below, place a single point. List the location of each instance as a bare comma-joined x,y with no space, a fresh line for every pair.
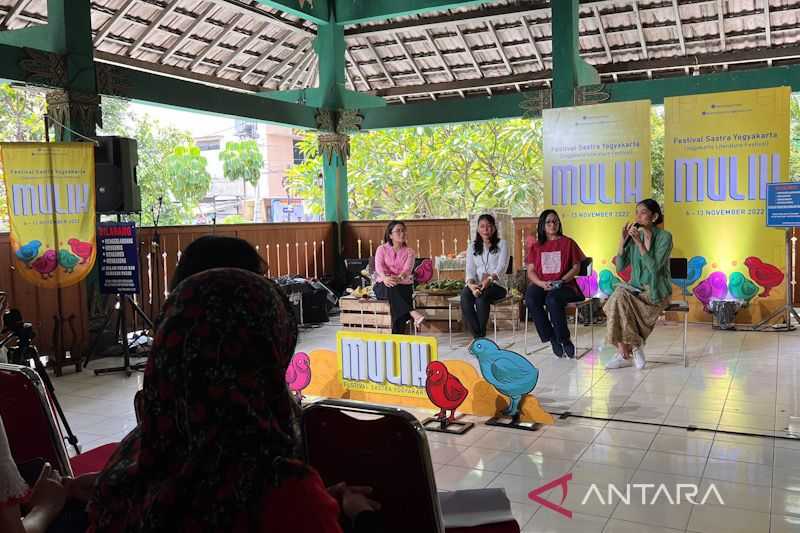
123,300
24,351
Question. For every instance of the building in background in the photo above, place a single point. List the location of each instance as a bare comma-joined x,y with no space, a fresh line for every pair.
227,198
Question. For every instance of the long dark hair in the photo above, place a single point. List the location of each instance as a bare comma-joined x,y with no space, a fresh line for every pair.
541,234
654,208
387,235
477,245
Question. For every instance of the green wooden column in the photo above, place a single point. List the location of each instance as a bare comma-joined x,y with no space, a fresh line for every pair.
334,171
569,68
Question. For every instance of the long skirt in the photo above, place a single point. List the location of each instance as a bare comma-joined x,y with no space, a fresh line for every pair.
631,317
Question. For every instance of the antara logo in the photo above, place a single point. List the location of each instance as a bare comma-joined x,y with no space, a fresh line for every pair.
649,494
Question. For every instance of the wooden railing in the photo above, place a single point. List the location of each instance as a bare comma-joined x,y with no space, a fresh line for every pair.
41,306
429,237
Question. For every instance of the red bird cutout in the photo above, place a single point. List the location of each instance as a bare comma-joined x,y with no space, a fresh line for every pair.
81,249
625,273
444,390
766,275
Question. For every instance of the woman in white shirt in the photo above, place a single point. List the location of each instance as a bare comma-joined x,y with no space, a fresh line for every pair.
487,261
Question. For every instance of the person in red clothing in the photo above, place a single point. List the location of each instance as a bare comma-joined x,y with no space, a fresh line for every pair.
553,262
217,447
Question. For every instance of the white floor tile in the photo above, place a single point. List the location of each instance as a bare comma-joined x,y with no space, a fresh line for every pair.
709,519
547,521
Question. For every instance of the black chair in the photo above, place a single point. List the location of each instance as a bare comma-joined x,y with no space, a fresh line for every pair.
585,270
679,269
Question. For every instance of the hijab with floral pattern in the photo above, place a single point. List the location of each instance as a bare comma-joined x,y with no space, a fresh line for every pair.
218,429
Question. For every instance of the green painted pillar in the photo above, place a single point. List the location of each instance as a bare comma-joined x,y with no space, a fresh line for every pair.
77,105
569,68
334,171
565,46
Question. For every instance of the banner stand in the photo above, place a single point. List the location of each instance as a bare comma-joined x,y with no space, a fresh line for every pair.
787,309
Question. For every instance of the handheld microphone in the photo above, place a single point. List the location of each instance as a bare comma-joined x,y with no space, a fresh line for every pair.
628,237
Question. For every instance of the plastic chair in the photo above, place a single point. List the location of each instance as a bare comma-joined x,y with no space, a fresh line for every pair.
585,270
31,426
385,448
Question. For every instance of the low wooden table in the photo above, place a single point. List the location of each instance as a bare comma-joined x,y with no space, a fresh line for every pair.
365,314
435,308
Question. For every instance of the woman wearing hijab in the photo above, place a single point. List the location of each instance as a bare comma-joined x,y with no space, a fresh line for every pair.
216,449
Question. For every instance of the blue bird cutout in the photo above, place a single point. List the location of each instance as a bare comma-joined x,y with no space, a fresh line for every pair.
28,251
694,271
508,372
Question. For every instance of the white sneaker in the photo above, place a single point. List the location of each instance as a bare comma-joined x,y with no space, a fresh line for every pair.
618,362
638,358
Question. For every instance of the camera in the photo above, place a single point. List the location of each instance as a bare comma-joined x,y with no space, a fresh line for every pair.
15,326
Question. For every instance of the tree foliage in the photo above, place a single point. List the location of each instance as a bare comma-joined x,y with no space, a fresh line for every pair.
447,171
242,160
172,173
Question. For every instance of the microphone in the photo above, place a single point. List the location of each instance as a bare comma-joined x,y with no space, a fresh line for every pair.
628,237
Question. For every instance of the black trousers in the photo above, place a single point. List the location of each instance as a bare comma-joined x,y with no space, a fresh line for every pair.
542,303
400,304
475,311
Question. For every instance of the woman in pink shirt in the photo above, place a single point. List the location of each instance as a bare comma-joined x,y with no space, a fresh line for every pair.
394,265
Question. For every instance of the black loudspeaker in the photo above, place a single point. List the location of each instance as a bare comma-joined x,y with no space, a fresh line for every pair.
116,184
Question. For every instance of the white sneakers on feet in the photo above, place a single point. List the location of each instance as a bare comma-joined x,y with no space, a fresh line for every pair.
638,357
618,362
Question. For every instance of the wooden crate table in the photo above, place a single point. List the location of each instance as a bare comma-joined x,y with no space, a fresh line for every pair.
434,306
365,313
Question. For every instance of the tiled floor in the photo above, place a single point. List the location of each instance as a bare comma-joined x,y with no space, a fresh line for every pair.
738,383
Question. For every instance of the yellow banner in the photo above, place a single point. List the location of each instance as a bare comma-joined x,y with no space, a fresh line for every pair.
385,364
51,210
596,169
720,151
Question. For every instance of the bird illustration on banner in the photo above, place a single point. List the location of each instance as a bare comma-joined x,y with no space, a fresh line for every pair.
588,284
608,282
766,275
67,261
298,374
693,273
742,288
28,252
81,249
703,292
625,273
508,372
444,390
46,264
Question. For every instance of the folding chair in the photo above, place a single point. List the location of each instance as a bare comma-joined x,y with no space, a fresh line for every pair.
31,425
384,448
679,269
585,270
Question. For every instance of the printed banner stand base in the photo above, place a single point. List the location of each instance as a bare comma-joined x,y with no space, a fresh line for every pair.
787,309
513,423
443,425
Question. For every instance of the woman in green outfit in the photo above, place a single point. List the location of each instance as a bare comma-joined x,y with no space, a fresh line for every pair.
632,310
